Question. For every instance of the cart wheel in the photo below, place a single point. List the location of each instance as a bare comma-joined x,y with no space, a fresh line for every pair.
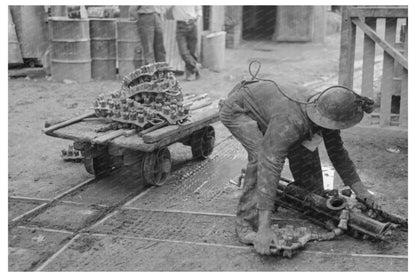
98,166
203,142
156,167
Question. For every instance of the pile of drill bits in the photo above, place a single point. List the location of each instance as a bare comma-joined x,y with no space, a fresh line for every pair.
149,96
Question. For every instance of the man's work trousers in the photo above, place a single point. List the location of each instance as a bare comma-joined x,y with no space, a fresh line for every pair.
304,165
187,37
151,36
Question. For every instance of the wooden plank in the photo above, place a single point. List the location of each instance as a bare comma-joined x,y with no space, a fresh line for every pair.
105,138
182,133
368,65
347,51
404,100
368,61
404,91
400,12
202,116
133,142
84,130
388,73
383,43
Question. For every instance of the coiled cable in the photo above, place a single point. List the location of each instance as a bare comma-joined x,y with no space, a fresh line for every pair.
255,78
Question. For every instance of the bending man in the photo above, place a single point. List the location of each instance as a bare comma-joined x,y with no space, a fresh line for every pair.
273,127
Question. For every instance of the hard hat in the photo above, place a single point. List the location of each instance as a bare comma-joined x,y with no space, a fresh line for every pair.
336,108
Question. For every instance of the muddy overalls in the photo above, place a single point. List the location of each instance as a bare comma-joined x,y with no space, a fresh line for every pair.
272,128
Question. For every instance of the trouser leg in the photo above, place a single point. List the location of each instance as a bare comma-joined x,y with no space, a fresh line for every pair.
246,131
306,168
192,43
182,36
147,32
158,46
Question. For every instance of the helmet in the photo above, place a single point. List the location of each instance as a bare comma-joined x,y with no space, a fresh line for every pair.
336,108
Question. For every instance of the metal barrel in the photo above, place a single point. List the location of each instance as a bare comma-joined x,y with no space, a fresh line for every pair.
71,53
103,48
129,48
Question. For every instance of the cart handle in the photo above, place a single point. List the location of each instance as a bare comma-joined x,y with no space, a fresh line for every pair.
65,123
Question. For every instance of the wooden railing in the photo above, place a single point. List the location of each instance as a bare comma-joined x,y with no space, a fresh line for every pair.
395,63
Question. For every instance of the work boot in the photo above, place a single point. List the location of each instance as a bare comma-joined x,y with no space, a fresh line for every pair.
197,69
188,75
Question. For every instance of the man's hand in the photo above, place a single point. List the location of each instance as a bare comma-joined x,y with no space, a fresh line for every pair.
364,196
264,239
265,235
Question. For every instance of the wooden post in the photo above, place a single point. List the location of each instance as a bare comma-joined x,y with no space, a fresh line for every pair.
388,73
347,51
368,65
404,92
216,20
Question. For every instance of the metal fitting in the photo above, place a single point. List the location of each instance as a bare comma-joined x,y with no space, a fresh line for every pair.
140,118
343,219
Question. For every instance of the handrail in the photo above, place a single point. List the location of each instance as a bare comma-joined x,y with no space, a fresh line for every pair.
383,44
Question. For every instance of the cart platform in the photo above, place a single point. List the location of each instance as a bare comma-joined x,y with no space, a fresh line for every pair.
114,148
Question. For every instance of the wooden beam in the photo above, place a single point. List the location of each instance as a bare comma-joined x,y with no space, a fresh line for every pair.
347,51
368,65
399,12
385,44
404,91
404,100
388,73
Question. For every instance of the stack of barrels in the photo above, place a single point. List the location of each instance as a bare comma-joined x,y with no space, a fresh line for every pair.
71,49
103,48
85,49
129,50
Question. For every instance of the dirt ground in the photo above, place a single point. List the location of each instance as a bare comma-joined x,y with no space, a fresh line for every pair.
36,171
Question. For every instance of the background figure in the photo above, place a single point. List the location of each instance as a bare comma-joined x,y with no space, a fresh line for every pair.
187,36
150,31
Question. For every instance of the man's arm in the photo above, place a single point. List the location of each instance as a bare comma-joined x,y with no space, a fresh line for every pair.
345,167
281,133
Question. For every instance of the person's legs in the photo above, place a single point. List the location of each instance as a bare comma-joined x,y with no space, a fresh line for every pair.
192,43
158,46
147,32
182,36
246,131
306,168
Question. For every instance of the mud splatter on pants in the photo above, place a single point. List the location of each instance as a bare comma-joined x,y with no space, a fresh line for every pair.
304,165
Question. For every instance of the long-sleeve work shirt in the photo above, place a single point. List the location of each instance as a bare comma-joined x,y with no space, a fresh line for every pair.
284,124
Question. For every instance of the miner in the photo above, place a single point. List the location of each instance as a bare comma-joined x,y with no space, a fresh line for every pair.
274,122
